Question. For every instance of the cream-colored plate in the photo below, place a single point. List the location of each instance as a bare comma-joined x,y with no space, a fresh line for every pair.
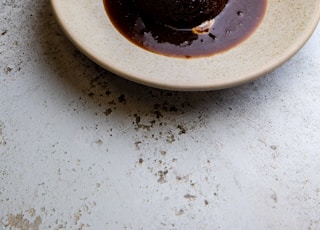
286,26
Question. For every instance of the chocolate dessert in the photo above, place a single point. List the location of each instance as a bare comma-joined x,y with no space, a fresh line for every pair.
188,29
180,13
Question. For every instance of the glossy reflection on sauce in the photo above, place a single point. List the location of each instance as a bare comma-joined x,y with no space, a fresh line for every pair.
234,24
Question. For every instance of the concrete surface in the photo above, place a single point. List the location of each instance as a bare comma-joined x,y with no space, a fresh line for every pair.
81,148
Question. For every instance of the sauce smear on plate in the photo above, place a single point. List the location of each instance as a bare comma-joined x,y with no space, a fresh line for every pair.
237,21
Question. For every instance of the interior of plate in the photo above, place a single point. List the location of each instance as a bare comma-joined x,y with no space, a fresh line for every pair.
285,28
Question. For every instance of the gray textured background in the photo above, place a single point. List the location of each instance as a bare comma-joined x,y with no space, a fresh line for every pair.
81,148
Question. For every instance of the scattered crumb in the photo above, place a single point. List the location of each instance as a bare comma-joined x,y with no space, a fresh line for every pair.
108,112
99,142
180,212
122,98
32,212
190,197
274,197
19,222
7,69
137,144
273,147
162,176
170,138
182,129
4,32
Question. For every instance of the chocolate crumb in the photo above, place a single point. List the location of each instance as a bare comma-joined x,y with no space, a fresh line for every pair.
4,32
190,197
182,129
108,112
122,98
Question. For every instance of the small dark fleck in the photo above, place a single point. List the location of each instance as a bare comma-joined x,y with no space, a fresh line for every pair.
4,32
162,175
273,147
190,197
99,142
240,13
108,92
122,98
170,138
182,129
108,112
7,69
214,37
180,212
206,202
140,161
274,197
163,153
137,143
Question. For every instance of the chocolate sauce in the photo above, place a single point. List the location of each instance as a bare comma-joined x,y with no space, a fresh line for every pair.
234,24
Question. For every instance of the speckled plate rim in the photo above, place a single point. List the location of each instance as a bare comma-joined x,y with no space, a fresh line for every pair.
86,24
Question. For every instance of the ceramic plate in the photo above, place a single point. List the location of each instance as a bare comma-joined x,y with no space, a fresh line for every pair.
285,28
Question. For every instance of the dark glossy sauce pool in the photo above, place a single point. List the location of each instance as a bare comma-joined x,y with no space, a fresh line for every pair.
234,24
